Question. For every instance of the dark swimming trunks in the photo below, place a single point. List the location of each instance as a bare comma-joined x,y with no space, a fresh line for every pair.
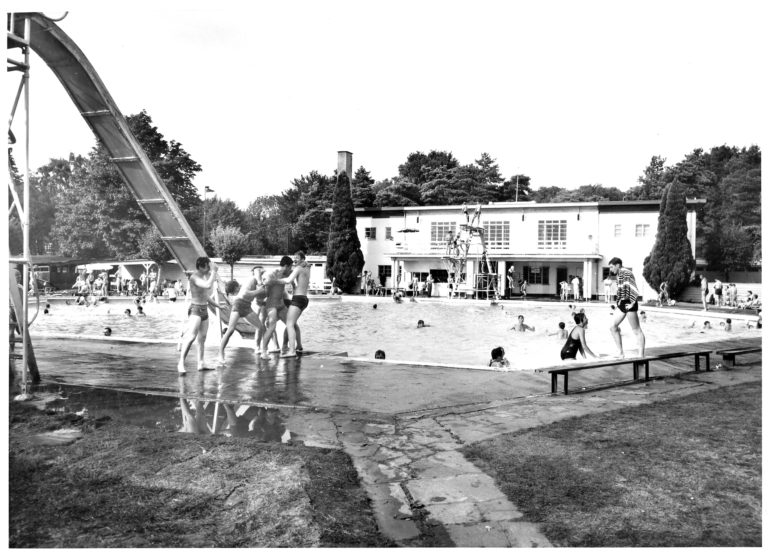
242,307
625,307
571,347
300,301
198,310
287,302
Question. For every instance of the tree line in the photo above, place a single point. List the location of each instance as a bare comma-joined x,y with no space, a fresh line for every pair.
81,208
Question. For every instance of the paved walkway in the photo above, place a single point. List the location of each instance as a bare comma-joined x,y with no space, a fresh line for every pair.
403,425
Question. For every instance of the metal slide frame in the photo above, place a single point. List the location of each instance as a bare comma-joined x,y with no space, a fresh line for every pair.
96,106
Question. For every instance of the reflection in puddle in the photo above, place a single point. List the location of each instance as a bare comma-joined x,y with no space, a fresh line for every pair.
259,423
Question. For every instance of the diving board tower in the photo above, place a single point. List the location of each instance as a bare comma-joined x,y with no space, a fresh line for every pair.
460,248
31,31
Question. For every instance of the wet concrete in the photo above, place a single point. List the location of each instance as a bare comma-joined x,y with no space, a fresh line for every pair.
403,425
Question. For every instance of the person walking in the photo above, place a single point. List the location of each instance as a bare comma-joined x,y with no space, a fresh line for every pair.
704,290
627,303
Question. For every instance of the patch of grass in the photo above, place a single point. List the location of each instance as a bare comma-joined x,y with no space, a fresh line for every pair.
681,472
128,486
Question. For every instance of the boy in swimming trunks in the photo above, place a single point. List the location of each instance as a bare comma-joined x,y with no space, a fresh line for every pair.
627,303
577,339
300,279
201,284
241,308
497,358
521,325
275,305
561,333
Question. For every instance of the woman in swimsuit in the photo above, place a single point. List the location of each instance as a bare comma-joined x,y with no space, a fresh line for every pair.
577,339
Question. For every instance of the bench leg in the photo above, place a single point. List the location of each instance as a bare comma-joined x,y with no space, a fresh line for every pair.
696,364
647,371
729,359
565,383
554,383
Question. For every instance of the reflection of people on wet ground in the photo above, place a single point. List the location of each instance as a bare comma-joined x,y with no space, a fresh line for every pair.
577,339
380,355
264,424
521,325
561,333
201,284
300,279
276,308
497,358
626,301
241,308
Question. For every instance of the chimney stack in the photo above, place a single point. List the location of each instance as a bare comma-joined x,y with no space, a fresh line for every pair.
345,163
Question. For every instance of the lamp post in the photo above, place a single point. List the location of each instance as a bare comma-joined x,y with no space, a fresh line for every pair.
206,190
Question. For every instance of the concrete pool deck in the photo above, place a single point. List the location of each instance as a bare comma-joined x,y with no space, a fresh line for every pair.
402,424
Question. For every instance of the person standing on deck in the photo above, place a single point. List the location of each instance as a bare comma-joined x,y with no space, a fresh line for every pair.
627,303
300,279
276,307
200,287
241,308
704,290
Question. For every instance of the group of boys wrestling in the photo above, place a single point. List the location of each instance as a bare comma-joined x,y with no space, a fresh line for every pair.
272,304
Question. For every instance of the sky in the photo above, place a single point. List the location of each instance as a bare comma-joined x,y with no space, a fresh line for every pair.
568,93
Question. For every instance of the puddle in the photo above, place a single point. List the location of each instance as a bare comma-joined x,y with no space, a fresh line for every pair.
171,414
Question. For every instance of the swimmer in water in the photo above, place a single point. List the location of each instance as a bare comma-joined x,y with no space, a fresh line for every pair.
521,325
421,324
577,339
497,358
561,331
380,355
107,331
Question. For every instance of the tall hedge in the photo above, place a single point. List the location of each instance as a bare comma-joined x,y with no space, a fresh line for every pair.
344,259
671,258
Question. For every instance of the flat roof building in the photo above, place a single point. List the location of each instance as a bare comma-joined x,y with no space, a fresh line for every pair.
543,244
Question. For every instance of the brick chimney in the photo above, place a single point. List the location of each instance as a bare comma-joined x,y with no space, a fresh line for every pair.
345,163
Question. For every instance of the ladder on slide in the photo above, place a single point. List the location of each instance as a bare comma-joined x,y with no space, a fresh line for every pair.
100,112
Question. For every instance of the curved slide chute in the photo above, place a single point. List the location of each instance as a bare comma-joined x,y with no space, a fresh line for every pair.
100,112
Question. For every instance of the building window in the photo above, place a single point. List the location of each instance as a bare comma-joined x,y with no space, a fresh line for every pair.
536,275
552,234
439,231
388,233
370,233
617,230
496,235
642,230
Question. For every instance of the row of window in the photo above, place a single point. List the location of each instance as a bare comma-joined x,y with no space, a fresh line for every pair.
552,234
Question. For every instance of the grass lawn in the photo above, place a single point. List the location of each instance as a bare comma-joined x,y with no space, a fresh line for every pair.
681,472
128,486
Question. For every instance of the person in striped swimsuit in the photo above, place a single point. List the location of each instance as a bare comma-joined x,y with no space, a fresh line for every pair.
627,303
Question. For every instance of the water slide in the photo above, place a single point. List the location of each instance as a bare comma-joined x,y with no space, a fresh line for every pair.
87,91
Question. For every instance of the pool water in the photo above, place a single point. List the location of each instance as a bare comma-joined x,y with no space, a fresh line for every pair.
456,333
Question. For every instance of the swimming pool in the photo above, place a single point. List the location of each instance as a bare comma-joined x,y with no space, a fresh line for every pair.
457,333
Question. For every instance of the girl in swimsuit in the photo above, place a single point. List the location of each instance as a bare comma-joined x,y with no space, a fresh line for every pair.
577,339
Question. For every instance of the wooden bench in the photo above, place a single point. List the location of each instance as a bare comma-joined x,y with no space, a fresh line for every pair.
636,362
729,355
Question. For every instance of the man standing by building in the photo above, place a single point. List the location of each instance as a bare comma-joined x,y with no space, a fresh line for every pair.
276,307
201,284
575,285
627,303
300,279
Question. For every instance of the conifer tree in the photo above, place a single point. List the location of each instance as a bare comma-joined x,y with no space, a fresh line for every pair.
671,258
344,258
